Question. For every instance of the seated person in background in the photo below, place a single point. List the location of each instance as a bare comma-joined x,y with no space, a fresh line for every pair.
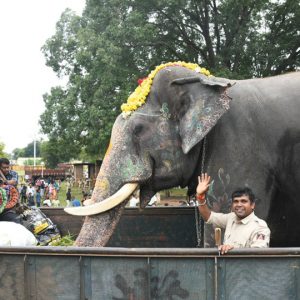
134,199
243,229
75,202
47,202
8,199
55,203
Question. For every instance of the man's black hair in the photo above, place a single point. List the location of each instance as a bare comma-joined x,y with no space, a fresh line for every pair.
4,160
244,191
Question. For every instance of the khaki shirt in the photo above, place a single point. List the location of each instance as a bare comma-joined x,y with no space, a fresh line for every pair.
250,232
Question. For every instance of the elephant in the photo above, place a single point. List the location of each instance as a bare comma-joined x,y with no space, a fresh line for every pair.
241,132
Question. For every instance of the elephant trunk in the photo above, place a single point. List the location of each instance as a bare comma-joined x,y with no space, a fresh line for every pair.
97,229
116,181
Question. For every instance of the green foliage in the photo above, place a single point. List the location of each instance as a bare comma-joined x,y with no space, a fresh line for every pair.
54,152
28,151
67,241
30,162
76,192
115,42
2,153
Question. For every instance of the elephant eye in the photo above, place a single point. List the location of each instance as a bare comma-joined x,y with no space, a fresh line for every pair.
138,130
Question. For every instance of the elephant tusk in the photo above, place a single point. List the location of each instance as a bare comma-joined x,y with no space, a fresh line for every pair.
107,204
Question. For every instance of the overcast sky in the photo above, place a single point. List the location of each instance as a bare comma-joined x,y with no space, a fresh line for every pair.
24,27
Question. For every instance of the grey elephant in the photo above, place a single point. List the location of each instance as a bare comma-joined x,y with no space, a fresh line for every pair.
242,132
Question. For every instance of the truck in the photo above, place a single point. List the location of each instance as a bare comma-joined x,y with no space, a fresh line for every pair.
153,254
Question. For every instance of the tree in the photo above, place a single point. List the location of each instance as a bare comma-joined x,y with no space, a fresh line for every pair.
53,152
28,151
18,152
2,153
115,42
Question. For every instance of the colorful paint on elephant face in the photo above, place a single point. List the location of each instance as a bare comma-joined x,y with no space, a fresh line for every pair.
163,128
132,169
165,111
102,184
108,149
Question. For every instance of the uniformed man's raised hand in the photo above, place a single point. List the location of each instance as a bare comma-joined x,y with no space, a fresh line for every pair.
225,248
203,183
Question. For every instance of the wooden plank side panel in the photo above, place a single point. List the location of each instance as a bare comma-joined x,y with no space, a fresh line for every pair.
119,278
151,227
12,285
57,277
182,278
258,278
155,231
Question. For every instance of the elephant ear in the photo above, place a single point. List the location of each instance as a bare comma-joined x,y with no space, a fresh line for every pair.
205,107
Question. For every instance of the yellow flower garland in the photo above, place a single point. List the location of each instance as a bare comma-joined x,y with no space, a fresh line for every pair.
138,97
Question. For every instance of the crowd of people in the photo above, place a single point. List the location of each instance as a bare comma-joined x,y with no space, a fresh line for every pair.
34,192
40,192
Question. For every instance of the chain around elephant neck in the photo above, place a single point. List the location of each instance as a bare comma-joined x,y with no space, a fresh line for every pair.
203,154
198,219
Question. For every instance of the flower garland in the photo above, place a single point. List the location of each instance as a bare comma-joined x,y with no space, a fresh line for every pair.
138,97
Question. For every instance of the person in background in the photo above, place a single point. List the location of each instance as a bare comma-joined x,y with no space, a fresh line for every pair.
134,199
23,194
47,201
9,197
42,188
38,197
84,197
8,176
68,197
30,195
75,202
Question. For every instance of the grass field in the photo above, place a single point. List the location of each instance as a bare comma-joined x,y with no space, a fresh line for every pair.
75,191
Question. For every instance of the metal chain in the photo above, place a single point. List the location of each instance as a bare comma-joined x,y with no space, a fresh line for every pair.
198,219
198,227
203,155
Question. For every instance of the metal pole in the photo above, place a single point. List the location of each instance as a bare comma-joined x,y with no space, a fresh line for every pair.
42,169
34,152
216,279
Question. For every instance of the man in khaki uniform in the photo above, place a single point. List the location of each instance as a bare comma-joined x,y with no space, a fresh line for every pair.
243,229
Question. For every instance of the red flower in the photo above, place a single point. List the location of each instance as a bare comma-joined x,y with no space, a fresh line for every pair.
141,80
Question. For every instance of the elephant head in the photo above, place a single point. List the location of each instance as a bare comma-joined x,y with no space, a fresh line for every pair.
155,148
